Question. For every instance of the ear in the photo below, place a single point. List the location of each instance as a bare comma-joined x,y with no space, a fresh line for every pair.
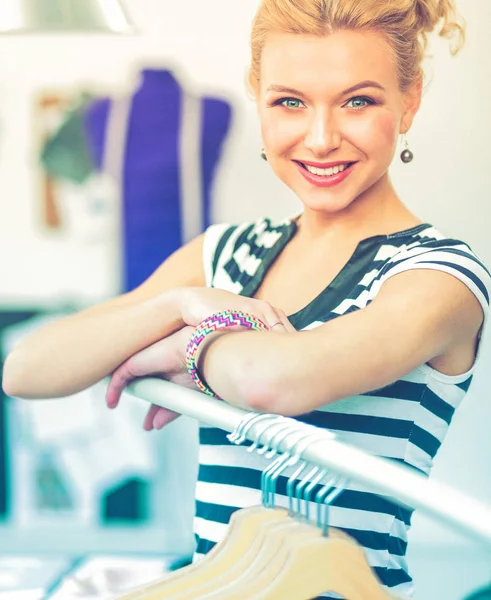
412,102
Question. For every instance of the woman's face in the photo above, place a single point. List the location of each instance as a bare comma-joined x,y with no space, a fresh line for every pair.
331,112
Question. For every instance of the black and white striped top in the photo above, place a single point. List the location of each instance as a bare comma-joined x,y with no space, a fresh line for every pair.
405,421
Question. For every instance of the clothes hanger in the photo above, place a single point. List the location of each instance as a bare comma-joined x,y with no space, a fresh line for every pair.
270,534
272,540
311,566
246,527
271,537
303,563
275,550
296,561
335,564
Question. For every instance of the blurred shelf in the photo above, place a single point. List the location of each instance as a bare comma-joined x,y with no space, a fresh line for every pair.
73,540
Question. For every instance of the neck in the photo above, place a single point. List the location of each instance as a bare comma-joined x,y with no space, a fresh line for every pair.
378,211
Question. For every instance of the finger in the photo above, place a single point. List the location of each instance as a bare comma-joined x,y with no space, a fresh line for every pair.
119,380
163,417
148,422
285,322
157,358
281,324
270,315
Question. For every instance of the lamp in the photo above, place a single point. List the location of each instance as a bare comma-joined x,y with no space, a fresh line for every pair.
64,16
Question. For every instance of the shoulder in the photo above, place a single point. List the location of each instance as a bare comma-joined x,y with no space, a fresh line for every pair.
432,250
441,276
431,240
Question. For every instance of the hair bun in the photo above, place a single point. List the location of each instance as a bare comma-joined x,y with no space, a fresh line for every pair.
431,13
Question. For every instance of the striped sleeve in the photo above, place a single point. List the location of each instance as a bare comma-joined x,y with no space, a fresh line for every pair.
450,256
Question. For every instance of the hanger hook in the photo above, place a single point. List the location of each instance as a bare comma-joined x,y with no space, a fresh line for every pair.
280,464
272,422
322,495
309,490
264,429
238,431
307,484
325,498
240,434
299,490
276,439
290,487
297,451
266,476
291,458
270,446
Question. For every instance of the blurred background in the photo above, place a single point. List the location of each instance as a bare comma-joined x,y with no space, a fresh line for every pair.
117,146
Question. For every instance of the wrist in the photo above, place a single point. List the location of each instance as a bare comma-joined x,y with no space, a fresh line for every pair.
215,325
184,300
174,301
205,346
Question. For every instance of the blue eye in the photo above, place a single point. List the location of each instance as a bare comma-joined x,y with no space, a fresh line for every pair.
289,103
360,102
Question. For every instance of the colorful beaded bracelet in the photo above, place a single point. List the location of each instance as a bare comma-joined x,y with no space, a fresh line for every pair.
220,320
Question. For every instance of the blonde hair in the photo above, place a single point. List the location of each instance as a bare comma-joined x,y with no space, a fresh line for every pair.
406,25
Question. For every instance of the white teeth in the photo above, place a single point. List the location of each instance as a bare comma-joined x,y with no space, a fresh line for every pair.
327,172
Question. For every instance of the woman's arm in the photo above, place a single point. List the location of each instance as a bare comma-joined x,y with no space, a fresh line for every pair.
75,352
416,316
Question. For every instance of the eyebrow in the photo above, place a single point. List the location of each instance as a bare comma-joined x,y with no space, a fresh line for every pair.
354,88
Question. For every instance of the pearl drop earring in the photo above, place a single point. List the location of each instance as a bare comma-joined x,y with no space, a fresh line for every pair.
263,154
406,155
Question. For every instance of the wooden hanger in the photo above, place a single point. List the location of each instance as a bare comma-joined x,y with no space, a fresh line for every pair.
270,556
307,566
285,543
246,526
295,562
267,556
328,564
270,542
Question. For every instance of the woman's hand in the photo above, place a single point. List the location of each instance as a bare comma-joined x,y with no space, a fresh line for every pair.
198,303
165,359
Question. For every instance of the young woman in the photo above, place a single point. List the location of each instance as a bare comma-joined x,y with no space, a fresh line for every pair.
384,312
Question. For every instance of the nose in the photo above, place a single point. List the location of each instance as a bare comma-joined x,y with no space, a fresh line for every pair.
323,134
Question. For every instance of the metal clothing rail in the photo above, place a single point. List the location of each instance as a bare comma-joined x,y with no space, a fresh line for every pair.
438,500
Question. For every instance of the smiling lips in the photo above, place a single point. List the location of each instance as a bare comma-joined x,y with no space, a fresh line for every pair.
325,174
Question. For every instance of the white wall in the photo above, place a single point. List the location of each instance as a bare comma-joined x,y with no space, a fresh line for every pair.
208,43
448,184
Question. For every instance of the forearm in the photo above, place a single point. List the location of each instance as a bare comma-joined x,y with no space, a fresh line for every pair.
293,374
261,371
77,351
